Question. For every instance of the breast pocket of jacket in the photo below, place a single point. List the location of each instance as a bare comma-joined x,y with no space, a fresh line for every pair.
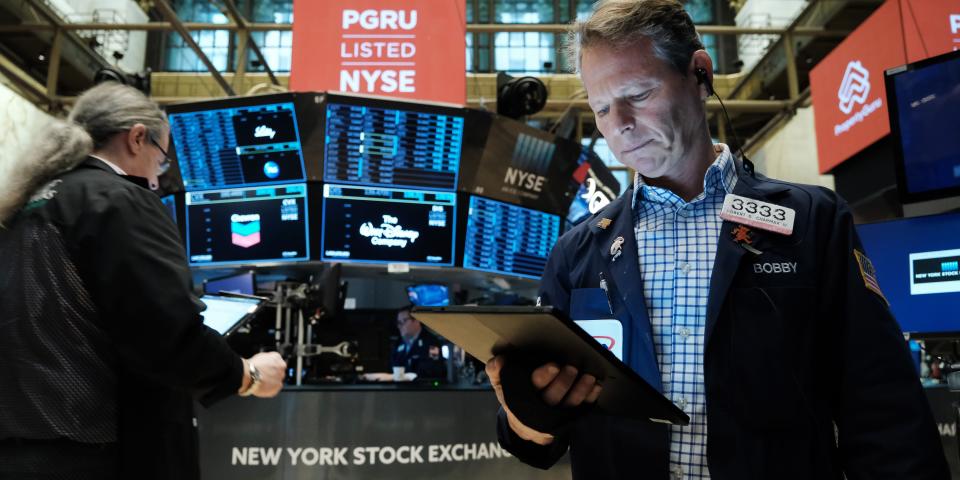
591,310
770,326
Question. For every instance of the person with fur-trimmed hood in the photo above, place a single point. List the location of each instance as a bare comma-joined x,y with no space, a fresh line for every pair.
103,345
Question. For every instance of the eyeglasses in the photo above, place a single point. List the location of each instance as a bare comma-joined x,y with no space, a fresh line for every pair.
165,164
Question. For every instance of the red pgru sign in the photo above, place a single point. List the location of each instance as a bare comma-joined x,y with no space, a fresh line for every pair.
403,48
847,87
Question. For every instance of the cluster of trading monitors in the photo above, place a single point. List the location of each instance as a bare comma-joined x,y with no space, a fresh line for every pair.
917,260
302,177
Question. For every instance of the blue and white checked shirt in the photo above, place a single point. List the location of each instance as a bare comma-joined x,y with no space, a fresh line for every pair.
677,244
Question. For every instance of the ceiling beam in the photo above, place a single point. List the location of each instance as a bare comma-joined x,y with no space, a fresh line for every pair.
471,28
739,106
242,23
57,24
174,20
702,29
22,80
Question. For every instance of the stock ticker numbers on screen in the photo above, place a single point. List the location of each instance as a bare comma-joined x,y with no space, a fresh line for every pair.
238,146
370,224
247,225
506,238
393,148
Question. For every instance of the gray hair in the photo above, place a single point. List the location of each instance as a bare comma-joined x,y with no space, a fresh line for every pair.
111,108
100,113
618,23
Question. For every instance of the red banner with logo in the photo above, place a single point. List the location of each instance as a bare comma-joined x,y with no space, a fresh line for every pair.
847,86
412,49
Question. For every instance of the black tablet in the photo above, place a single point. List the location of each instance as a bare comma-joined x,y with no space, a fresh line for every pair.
488,331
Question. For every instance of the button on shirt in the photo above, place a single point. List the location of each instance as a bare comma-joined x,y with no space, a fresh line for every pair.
677,244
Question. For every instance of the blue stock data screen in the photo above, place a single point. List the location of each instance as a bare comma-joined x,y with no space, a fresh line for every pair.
239,146
393,148
248,225
505,238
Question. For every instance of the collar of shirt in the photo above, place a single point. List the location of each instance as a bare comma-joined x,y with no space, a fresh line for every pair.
721,177
111,165
410,343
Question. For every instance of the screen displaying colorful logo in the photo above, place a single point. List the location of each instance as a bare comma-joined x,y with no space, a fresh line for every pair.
245,230
271,169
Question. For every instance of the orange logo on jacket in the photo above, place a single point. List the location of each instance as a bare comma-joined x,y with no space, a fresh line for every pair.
741,234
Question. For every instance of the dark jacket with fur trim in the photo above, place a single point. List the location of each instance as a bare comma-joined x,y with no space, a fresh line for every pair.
102,340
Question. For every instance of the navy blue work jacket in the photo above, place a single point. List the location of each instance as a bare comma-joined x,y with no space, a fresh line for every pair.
807,373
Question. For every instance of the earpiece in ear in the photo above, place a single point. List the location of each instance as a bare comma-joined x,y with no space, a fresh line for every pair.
702,78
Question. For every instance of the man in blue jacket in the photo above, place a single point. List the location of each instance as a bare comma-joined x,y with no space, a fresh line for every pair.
748,302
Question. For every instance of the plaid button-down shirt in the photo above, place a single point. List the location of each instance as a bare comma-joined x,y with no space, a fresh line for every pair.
677,244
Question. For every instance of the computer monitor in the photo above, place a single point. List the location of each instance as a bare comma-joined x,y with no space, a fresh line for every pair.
227,314
428,295
237,142
522,165
250,225
916,260
245,283
508,239
376,142
381,225
924,100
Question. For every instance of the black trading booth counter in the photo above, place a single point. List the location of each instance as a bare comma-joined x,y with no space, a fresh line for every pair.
392,431
360,431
